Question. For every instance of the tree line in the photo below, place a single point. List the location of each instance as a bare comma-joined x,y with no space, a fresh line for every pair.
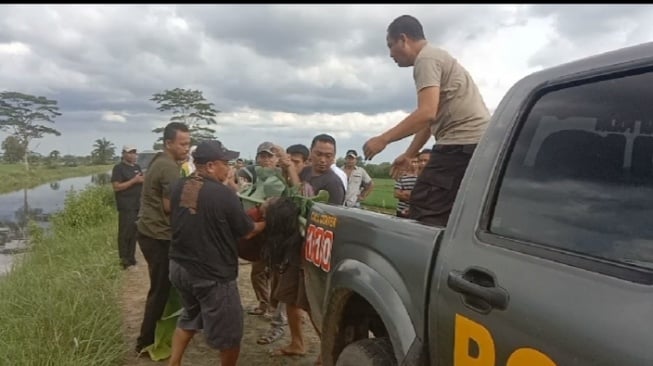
26,118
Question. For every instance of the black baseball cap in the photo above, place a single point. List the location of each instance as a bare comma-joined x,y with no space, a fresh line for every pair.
212,150
352,153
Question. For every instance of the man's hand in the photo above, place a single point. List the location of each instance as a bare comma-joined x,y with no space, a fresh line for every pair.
284,158
231,176
138,178
374,146
401,163
121,186
230,181
284,161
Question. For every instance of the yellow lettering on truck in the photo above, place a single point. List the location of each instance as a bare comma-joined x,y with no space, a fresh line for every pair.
529,357
468,331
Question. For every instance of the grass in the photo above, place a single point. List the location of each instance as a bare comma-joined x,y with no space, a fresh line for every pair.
60,303
14,176
382,196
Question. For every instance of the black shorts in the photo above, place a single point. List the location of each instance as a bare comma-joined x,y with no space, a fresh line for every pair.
436,187
212,306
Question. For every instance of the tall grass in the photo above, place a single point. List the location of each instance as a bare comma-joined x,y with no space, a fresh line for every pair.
59,305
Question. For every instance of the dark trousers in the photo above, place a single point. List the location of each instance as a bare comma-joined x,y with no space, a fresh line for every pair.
437,186
127,236
155,252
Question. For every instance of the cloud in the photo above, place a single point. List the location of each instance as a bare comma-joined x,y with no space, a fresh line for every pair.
341,125
277,70
582,30
113,117
14,49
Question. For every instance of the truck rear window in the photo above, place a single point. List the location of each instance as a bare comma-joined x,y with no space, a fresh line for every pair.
580,174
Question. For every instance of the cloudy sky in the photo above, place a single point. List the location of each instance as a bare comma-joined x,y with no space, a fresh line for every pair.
281,73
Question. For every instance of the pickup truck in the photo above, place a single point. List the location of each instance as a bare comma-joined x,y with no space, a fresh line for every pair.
145,158
547,257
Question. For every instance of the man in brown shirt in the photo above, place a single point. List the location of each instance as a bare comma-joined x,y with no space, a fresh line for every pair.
449,108
154,231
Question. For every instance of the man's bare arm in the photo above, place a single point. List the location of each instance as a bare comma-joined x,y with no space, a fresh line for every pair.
418,142
292,175
367,190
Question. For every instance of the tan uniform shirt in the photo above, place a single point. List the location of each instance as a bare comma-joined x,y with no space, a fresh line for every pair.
462,115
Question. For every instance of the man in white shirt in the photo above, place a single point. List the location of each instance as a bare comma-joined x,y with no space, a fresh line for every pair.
341,174
359,183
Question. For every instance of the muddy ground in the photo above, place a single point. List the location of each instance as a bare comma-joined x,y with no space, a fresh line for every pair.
135,286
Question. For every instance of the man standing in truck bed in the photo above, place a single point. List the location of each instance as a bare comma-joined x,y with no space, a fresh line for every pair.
449,107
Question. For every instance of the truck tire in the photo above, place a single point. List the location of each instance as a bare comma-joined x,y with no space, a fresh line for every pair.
368,352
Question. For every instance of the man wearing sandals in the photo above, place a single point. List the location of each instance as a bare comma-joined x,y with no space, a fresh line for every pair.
298,155
265,182
315,177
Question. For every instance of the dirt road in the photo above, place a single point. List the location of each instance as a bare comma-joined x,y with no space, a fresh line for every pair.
135,286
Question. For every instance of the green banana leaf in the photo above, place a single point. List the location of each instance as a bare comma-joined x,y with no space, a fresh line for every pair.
161,349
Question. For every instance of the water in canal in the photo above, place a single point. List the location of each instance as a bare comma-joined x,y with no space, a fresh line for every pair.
37,204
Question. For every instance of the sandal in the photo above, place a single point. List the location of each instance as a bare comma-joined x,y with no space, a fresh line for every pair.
256,311
272,335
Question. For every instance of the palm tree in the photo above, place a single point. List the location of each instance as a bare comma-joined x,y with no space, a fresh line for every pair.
103,152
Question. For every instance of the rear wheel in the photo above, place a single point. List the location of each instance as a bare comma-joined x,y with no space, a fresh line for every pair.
368,352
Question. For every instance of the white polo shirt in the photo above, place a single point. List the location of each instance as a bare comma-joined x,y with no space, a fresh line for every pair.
341,174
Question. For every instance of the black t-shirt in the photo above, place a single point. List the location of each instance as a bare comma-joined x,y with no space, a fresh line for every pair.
127,199
328,181
207,221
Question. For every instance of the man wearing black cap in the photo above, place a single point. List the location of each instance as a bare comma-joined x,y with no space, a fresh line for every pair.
207,221
127,182
359,183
